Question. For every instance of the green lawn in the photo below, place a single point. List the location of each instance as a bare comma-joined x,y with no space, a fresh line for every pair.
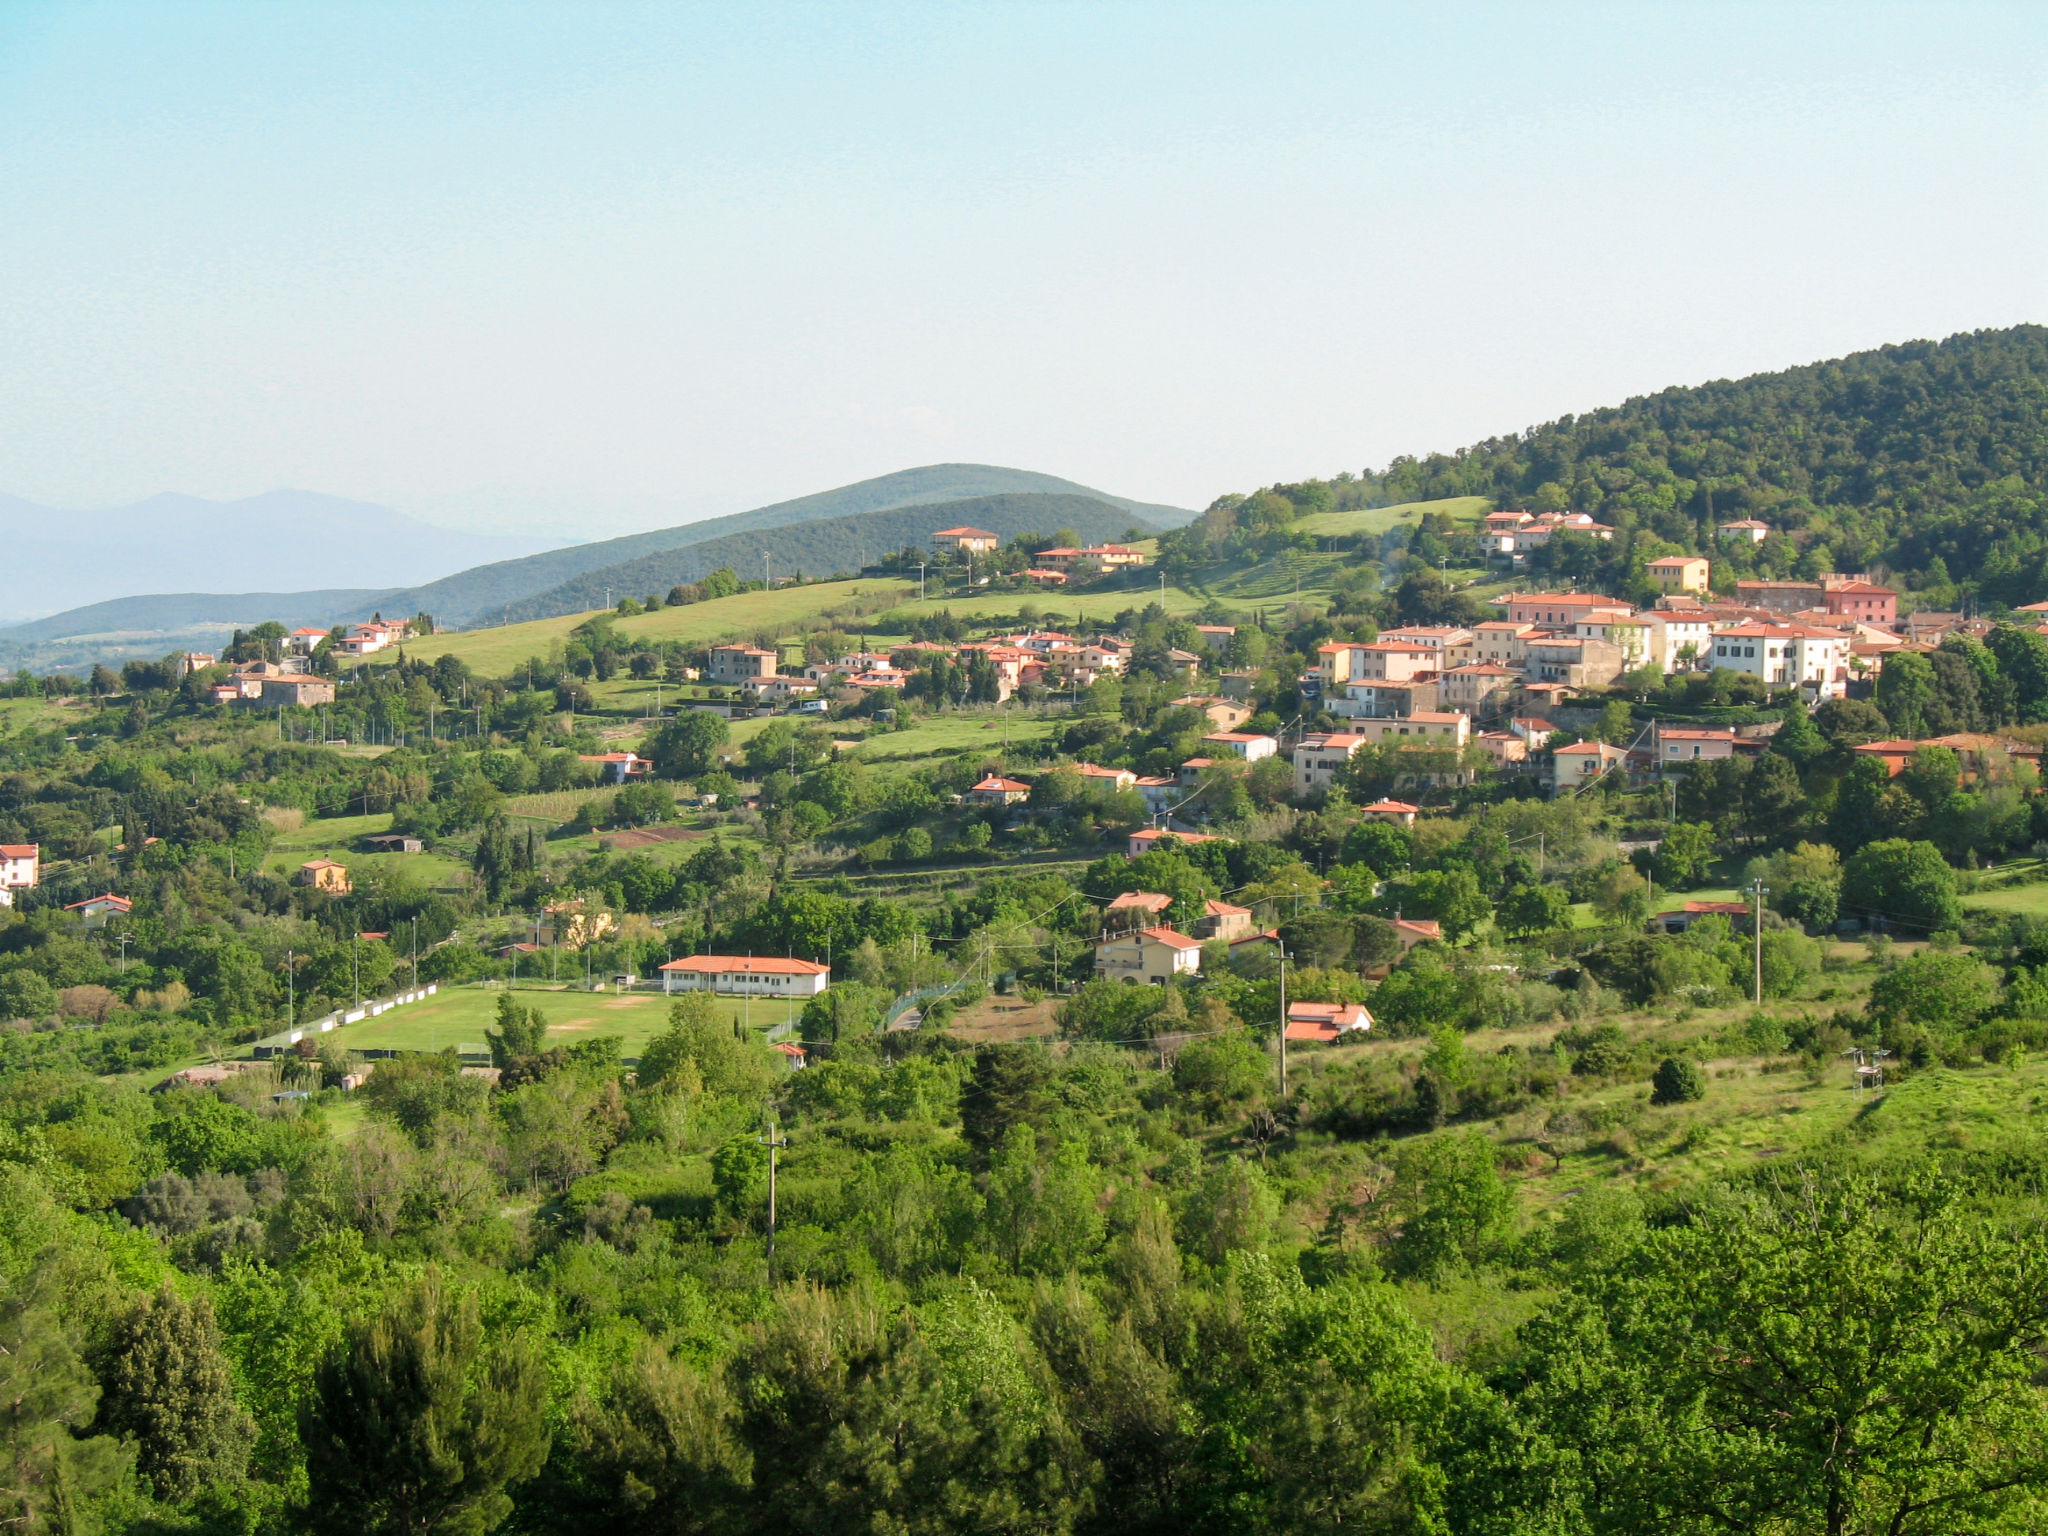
458,1017
1053,607
339,837
948,735
1462,509
2030,899
498,652
37,714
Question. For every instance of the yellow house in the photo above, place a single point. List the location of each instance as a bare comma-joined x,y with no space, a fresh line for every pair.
1149,955
1680,573
324,875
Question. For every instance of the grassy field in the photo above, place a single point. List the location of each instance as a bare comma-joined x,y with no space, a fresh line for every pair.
1462,509
458,1017
496,652
337,838
37,714
949,735
1091,607
2029,899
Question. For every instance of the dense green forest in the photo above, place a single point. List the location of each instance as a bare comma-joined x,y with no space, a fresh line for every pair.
1928,458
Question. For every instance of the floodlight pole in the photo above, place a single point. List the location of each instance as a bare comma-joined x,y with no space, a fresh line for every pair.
1283,1023
775,1142
1756,924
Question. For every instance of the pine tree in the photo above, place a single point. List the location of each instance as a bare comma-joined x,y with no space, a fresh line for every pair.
166,1386
46,1396
416,1426
520,1032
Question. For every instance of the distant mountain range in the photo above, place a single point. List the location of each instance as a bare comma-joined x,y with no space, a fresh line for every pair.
833,530
274,541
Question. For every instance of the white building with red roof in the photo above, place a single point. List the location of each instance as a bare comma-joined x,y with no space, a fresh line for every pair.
1398,811
20,868
1243,745
1787,655
750,975
1326,1023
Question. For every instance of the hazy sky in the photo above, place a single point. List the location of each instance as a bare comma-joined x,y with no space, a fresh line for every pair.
591,266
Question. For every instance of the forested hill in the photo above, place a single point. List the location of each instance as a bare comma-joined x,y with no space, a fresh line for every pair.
833,544
1929,458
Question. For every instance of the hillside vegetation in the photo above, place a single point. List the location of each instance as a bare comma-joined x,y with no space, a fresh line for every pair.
843,544
1928,458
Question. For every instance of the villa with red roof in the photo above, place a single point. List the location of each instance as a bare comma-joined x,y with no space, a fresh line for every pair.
1152,955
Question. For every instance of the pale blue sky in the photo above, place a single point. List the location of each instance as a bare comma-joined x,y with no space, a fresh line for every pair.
589,267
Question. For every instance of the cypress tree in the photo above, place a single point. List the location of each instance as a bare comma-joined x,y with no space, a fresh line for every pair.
166,1386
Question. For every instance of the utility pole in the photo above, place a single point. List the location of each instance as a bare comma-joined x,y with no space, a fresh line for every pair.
775,1142
920,580
355,962
1283,1025
764,570
291,993
1756,924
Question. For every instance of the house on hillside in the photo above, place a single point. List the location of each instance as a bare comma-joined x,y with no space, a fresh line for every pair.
1679,573
1680,746
1136,909
1574,767
997,790
324,875
1745,530
393,842
617,767
20,869
974,541
1326,1023
1400,812
1151,955
97,909
1222,920
740,664
290,688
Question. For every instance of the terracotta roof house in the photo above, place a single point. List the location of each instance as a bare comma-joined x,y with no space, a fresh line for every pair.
324,875
1325,1023
1221,920
997,790
1153,955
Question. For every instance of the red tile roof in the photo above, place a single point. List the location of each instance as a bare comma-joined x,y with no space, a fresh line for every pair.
753,965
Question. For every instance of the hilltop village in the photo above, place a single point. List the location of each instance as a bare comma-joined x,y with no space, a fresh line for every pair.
1371,915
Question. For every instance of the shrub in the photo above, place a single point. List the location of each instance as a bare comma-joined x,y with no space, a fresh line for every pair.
1678,1080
